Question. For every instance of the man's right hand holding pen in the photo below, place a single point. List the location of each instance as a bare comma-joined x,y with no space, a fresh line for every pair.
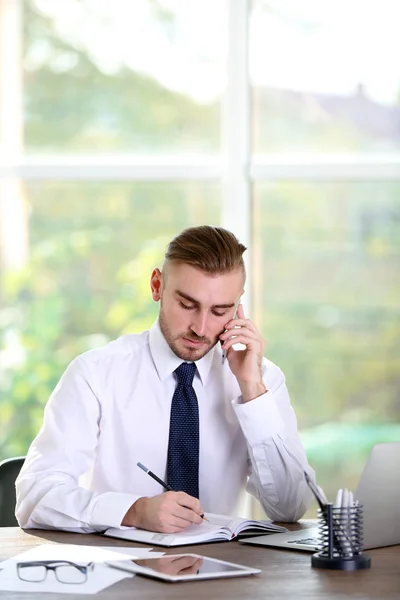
170,512
166,513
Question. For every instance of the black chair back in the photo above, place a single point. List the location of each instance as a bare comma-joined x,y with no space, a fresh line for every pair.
9,470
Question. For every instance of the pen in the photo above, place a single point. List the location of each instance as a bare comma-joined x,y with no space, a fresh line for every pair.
321,491
338,501
323,504
161,482
343,525
234,317
316,491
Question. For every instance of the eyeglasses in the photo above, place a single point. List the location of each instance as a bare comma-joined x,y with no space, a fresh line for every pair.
64,570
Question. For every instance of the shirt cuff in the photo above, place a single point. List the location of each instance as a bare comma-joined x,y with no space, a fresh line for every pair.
259,418
110,509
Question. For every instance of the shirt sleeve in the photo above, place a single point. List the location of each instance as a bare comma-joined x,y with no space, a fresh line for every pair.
277,457
48,492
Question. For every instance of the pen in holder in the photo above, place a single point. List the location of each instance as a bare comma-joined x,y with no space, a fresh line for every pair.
340,539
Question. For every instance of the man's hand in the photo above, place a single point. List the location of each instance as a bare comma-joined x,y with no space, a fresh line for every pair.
170,512
245,364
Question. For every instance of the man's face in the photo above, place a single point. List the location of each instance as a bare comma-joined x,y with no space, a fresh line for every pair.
194,306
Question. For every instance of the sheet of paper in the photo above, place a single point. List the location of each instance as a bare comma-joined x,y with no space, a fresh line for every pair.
100,578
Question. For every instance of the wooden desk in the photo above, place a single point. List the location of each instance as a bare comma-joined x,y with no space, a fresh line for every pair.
285,574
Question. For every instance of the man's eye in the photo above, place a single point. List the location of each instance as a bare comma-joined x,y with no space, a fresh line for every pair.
218,314
185,306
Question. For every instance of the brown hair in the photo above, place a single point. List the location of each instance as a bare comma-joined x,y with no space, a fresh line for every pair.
212,249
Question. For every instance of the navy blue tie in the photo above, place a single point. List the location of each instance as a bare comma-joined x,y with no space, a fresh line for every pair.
183,446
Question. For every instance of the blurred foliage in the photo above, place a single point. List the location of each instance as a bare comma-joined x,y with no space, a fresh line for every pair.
81,108
47,326
331,312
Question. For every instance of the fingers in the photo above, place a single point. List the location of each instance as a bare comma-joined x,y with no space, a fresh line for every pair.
244,330
242,335
173,524
251,342
241,321
241,331
240,311
189,507
179,511
187,501
240,324
183,517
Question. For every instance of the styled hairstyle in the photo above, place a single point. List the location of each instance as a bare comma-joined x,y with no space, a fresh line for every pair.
214,250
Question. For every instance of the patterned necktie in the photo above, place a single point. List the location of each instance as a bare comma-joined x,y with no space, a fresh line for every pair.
183,446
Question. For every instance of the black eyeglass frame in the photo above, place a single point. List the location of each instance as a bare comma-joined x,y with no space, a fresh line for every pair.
52,565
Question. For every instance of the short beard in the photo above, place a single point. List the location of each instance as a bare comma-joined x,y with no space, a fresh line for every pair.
190,354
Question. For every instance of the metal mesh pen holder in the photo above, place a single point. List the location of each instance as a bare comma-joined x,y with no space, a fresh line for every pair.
340,539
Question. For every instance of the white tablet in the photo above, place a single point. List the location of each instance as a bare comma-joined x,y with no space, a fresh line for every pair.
182,567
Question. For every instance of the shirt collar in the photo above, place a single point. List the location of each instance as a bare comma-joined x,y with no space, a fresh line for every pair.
166,361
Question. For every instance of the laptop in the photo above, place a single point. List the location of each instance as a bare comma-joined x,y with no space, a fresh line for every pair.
379,493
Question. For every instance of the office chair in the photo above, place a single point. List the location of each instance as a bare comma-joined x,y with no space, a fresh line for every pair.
9,470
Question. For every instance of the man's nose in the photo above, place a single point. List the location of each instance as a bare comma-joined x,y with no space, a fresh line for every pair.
199,324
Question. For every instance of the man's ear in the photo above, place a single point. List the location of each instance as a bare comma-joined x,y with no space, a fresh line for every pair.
155,284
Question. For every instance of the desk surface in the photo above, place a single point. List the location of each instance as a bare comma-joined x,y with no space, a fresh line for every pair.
285,574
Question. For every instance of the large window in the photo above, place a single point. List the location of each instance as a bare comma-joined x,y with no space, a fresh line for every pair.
121,123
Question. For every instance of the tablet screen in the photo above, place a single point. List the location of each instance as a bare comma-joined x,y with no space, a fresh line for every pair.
175,567
186,564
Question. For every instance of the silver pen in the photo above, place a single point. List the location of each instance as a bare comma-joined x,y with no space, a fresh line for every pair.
234,317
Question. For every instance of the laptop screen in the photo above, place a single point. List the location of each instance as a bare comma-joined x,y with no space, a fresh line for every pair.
379,493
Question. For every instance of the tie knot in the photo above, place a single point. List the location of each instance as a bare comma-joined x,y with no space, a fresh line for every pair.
185,373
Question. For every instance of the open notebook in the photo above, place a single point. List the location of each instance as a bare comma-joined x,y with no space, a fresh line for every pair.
220,528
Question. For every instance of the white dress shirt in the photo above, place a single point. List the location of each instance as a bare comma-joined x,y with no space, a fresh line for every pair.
111,409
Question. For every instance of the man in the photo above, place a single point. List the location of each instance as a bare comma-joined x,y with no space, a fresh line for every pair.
164,398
